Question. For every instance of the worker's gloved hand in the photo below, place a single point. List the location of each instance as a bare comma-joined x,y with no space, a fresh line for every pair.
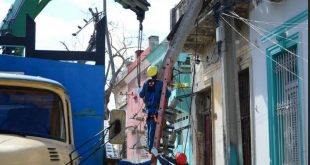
138,90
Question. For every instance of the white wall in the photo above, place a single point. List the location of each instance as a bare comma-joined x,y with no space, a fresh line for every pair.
275,12
211,76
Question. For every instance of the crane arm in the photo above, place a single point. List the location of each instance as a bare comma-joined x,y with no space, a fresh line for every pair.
15,20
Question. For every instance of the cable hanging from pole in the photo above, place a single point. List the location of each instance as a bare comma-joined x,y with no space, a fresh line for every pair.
138,52
139,7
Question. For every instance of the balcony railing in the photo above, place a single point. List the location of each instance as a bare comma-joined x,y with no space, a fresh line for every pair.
177,11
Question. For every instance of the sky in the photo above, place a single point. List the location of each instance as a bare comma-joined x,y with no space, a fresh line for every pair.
60,18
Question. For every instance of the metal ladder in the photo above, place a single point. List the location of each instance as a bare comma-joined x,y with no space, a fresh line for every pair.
162,107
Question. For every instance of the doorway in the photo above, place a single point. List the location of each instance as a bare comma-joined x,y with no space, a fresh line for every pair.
204,119
244,99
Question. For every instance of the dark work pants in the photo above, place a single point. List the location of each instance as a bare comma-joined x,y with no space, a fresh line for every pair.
151,127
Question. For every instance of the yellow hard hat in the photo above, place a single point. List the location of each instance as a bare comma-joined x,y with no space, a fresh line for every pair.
151,71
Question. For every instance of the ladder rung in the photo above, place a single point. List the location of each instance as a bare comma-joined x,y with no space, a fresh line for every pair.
169,126
170,112
167,145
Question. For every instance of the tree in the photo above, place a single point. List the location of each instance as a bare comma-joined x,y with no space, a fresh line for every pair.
114,50
118,52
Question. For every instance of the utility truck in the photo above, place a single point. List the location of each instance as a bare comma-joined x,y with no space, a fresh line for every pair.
35,122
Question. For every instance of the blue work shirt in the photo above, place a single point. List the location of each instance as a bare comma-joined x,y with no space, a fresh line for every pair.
151,92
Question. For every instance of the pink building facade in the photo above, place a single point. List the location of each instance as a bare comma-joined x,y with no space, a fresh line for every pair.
127,98
135,118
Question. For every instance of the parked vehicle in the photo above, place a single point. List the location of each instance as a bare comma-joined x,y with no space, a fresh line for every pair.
35,121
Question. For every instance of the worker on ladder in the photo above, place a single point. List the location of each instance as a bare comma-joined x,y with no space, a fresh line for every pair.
151,93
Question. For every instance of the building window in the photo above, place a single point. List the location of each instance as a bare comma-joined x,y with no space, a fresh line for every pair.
284,104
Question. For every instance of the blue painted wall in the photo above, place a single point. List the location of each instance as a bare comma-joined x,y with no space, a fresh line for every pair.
184,145
84,84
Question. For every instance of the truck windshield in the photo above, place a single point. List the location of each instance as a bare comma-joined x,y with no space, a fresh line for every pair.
31,112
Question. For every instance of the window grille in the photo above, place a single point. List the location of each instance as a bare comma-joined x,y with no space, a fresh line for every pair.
286,108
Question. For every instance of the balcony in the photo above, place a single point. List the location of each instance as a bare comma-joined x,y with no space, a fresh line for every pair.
203,33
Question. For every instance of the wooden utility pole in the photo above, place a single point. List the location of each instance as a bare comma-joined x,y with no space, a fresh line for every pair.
184,29
165,72
231,110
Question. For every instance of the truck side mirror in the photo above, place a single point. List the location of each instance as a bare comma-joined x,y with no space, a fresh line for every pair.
117,123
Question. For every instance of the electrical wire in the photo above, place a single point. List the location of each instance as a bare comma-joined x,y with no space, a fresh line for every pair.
140,122
292,25
210,61
89,140
104,131
138,70
282,47
193,80
261,34
91,147
189,108
268,1
99,142
243,19
178,74
261,51
83,160
191,116
96,149
135,114
139,53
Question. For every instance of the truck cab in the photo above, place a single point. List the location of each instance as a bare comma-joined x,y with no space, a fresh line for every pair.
35,122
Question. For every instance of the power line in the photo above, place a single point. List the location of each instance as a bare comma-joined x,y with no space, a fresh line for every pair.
285,49
243,19
140,38
193,79
277,23
251,25
100,141
268,1
299,77
193,82
135,114
261,34
94,151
